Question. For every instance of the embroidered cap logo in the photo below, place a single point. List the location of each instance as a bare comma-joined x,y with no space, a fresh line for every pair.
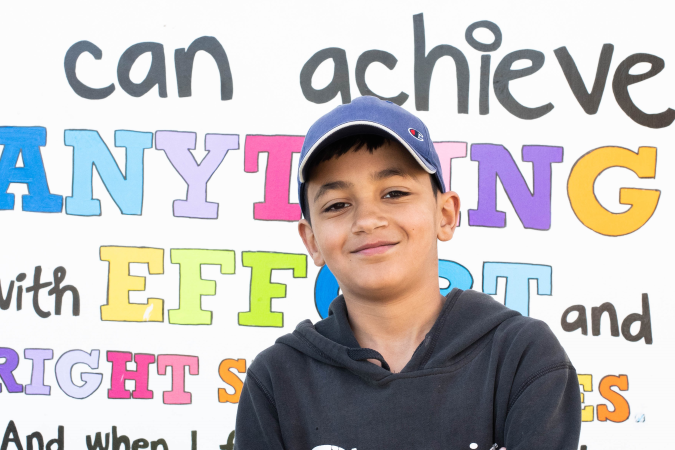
416,134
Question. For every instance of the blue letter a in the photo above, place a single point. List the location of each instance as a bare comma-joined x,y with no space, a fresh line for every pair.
27,142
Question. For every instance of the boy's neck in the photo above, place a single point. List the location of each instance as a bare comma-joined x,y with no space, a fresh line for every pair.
395,327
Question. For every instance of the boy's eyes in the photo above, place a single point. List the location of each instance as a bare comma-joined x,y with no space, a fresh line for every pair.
396,194
337,206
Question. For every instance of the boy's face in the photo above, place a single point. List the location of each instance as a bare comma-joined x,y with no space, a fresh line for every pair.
376,221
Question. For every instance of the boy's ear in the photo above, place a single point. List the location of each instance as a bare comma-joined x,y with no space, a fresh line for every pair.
449,213
308,238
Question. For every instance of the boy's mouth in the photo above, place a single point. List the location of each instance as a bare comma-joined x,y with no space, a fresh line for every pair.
374,248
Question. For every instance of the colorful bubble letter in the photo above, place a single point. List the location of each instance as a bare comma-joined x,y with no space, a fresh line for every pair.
533,208
262,264
37,380
456,274
192,286
518,278
280,151
586,383
120,373
587,207
177,146
11,362
64,369
27,142
447,151
177,395
90,151
231,378
326,289
118,307
621,411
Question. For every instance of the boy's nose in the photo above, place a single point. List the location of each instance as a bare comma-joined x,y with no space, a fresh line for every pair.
367,218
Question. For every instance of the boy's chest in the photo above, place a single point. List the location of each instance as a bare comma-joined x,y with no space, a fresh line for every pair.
449,410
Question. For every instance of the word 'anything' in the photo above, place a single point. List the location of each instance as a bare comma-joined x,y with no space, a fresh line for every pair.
531,204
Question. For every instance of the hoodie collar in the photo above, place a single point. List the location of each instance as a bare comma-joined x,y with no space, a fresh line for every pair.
466,318
336,326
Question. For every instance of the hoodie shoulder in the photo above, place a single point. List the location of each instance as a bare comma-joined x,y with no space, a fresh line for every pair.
512,327
274,360
527,350
524,348
476,319
533,339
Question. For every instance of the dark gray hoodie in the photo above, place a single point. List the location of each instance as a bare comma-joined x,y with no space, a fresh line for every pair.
483,375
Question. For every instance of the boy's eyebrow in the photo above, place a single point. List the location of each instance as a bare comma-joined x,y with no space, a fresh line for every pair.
381,175
333,185
392,172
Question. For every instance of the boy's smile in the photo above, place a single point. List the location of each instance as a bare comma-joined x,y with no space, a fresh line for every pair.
376,221
374,248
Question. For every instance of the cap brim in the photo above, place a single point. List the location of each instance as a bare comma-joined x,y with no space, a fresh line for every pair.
359,127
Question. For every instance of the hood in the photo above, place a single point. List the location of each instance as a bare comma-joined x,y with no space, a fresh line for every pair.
466,319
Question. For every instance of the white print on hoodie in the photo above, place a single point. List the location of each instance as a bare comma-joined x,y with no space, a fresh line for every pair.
335,447
329,447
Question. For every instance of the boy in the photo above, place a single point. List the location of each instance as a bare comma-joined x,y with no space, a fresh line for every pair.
396,365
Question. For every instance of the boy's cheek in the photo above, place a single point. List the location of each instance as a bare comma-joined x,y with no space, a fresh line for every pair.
330,249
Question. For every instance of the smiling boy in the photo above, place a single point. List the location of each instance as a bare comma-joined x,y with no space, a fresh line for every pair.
396,364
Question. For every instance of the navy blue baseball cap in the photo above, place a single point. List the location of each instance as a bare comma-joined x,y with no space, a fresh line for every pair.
370,115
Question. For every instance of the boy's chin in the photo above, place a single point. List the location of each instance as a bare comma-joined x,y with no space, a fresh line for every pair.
378,287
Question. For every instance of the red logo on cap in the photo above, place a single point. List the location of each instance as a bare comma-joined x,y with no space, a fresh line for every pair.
416,134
